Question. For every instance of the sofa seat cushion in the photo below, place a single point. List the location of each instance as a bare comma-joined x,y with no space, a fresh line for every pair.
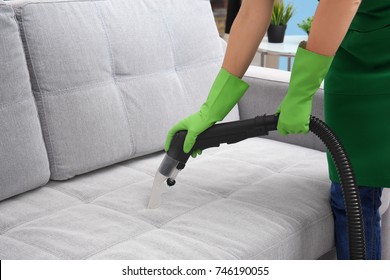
257,199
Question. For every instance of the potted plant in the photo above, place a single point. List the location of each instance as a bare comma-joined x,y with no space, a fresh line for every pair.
281,14
305,24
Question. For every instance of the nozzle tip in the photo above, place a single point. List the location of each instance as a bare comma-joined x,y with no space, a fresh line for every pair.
170,182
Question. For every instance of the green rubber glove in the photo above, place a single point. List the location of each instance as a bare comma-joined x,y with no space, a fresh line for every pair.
225,92
307,74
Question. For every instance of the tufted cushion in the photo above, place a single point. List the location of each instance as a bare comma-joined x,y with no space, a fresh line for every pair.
111,77
257,199
23,159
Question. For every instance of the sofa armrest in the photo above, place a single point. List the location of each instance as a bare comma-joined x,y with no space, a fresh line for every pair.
267,89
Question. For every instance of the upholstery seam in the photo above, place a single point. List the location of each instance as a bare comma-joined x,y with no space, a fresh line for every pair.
114,244
305,177
198,240
89,85
91,200
221,200
259,182
7,105
229,198
127,214
63,256
44,248
198,188
132,148
34,246
85,170
227,195
46,127
186,182
156,228
250,163
93,84
170,70
260,206
43,122
198,64
275,171
143,172
150,223
119,188
109,47
58,2
299,162
38,218
140,171
173,49
68,194
190,210
204,242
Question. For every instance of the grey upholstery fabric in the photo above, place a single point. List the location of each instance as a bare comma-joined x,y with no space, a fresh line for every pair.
257,199
108,90
23,159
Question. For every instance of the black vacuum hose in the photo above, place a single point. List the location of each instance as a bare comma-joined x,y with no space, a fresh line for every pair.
357,248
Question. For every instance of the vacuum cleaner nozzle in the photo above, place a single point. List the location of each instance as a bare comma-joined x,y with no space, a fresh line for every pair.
173,161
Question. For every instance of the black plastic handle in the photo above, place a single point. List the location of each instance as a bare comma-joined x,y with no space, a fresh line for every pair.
231,132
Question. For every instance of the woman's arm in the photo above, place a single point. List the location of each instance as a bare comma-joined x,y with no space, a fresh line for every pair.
330,24
247,31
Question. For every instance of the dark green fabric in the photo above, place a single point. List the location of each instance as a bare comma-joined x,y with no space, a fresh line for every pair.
372,14
357,95
361,65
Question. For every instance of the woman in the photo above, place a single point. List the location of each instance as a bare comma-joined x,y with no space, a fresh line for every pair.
354,36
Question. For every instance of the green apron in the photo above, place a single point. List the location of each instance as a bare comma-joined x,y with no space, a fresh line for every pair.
357,95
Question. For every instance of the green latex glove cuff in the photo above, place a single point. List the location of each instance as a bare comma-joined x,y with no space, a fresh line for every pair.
225,92
308,72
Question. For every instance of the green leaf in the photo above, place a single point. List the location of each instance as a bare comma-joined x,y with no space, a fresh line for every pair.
306,24
282,13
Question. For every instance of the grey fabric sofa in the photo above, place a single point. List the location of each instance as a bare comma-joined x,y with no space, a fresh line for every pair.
89,90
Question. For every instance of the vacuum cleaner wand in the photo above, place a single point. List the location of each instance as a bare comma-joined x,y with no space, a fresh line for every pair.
231,132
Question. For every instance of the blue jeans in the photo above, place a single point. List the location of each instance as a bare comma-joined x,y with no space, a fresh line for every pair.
370,201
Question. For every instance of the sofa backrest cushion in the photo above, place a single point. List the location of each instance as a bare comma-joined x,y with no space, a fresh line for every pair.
111,77
23,159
